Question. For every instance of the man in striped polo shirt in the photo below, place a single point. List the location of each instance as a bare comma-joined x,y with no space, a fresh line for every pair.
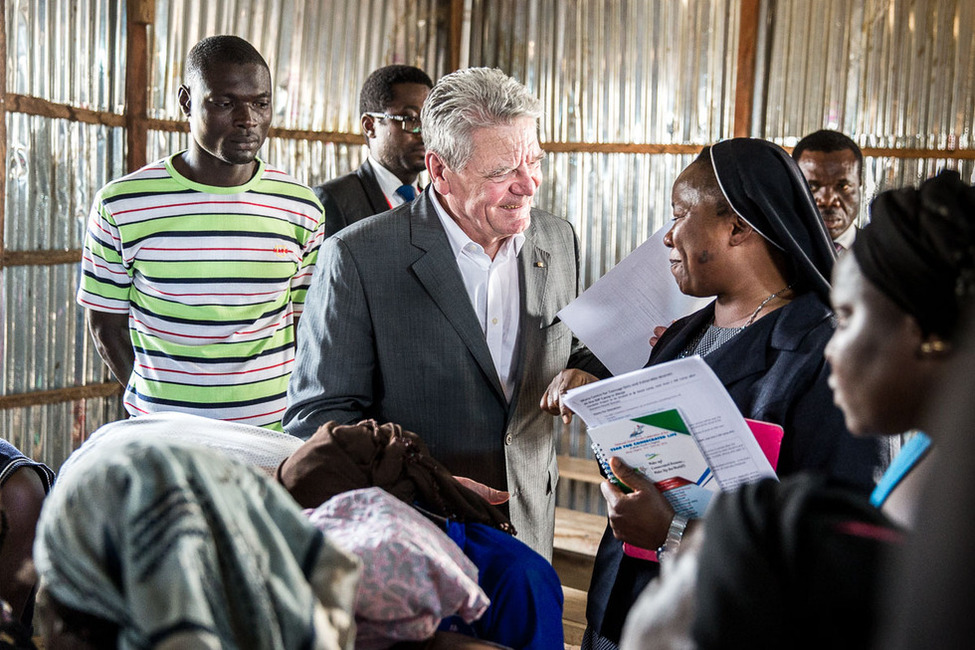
195,267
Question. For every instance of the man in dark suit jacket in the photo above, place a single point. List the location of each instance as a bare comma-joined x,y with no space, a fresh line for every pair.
440,315
832,164
389,109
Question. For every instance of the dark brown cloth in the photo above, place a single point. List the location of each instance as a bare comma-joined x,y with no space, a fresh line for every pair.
338,458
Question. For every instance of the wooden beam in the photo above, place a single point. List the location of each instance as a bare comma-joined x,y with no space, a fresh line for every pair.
41,258
35,106
44,108
620,147
139,15
60,395
745,82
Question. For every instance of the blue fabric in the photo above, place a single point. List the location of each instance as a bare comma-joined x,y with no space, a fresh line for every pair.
525,591
12,459
909,455
408,192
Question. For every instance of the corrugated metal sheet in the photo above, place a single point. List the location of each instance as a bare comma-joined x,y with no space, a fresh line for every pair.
654,71
67,51
54,168
319,52
889,73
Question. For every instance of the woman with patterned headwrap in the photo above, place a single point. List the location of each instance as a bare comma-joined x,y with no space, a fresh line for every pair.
746,230
802,563
166,544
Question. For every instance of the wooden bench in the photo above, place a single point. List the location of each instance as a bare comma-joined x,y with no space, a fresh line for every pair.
577,536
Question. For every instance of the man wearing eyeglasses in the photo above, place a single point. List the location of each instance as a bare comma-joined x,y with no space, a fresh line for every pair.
389,109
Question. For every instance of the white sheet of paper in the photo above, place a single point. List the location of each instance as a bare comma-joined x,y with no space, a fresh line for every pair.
690,386
615,317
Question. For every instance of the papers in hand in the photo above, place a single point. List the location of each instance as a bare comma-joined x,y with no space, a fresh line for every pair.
676,423
616,315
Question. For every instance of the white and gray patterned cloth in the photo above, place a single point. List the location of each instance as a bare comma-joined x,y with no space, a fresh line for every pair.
413,575
184,547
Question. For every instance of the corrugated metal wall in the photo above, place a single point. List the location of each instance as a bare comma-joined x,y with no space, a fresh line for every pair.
889,73
319,54
630,88
71,53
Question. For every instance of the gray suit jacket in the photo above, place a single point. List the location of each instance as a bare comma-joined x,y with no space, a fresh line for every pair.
351,198
388,332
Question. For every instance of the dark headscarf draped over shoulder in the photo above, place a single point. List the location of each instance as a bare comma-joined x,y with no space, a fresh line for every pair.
919,247
765,188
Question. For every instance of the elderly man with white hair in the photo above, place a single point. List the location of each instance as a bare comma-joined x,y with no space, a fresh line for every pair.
440,315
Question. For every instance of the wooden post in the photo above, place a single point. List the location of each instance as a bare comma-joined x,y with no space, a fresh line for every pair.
745,82
139,15
456,30
3,130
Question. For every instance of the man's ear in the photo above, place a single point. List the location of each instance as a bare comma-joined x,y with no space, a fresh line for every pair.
368,123
741,231
437,171
183,96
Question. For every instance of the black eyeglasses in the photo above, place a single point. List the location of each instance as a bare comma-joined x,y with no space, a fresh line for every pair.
408,123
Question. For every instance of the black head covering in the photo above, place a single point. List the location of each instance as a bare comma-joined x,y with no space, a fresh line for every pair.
919,250
764,186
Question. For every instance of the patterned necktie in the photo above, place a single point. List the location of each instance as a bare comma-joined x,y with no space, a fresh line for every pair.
838,246
408,192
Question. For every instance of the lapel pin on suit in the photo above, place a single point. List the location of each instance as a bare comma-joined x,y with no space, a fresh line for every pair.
540,265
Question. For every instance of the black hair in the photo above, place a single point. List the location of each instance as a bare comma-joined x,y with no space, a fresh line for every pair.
220,49
377,91
828,141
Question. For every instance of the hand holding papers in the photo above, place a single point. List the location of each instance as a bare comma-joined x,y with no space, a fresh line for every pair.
615,317
677,424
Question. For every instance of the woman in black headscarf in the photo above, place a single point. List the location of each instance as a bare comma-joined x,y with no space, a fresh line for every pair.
747,231
801,563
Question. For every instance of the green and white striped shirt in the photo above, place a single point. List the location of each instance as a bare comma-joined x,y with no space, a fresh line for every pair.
212,279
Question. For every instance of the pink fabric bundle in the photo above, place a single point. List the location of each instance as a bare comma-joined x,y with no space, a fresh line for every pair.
413,575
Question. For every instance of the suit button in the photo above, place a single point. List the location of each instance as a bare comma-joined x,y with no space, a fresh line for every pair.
507,439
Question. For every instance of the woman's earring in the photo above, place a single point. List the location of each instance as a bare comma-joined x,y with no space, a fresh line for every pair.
934,347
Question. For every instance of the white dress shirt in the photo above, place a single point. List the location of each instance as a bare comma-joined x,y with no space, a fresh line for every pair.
492,286
845,240
389,183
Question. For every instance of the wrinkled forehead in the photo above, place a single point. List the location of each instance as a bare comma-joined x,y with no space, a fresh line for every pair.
508,143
